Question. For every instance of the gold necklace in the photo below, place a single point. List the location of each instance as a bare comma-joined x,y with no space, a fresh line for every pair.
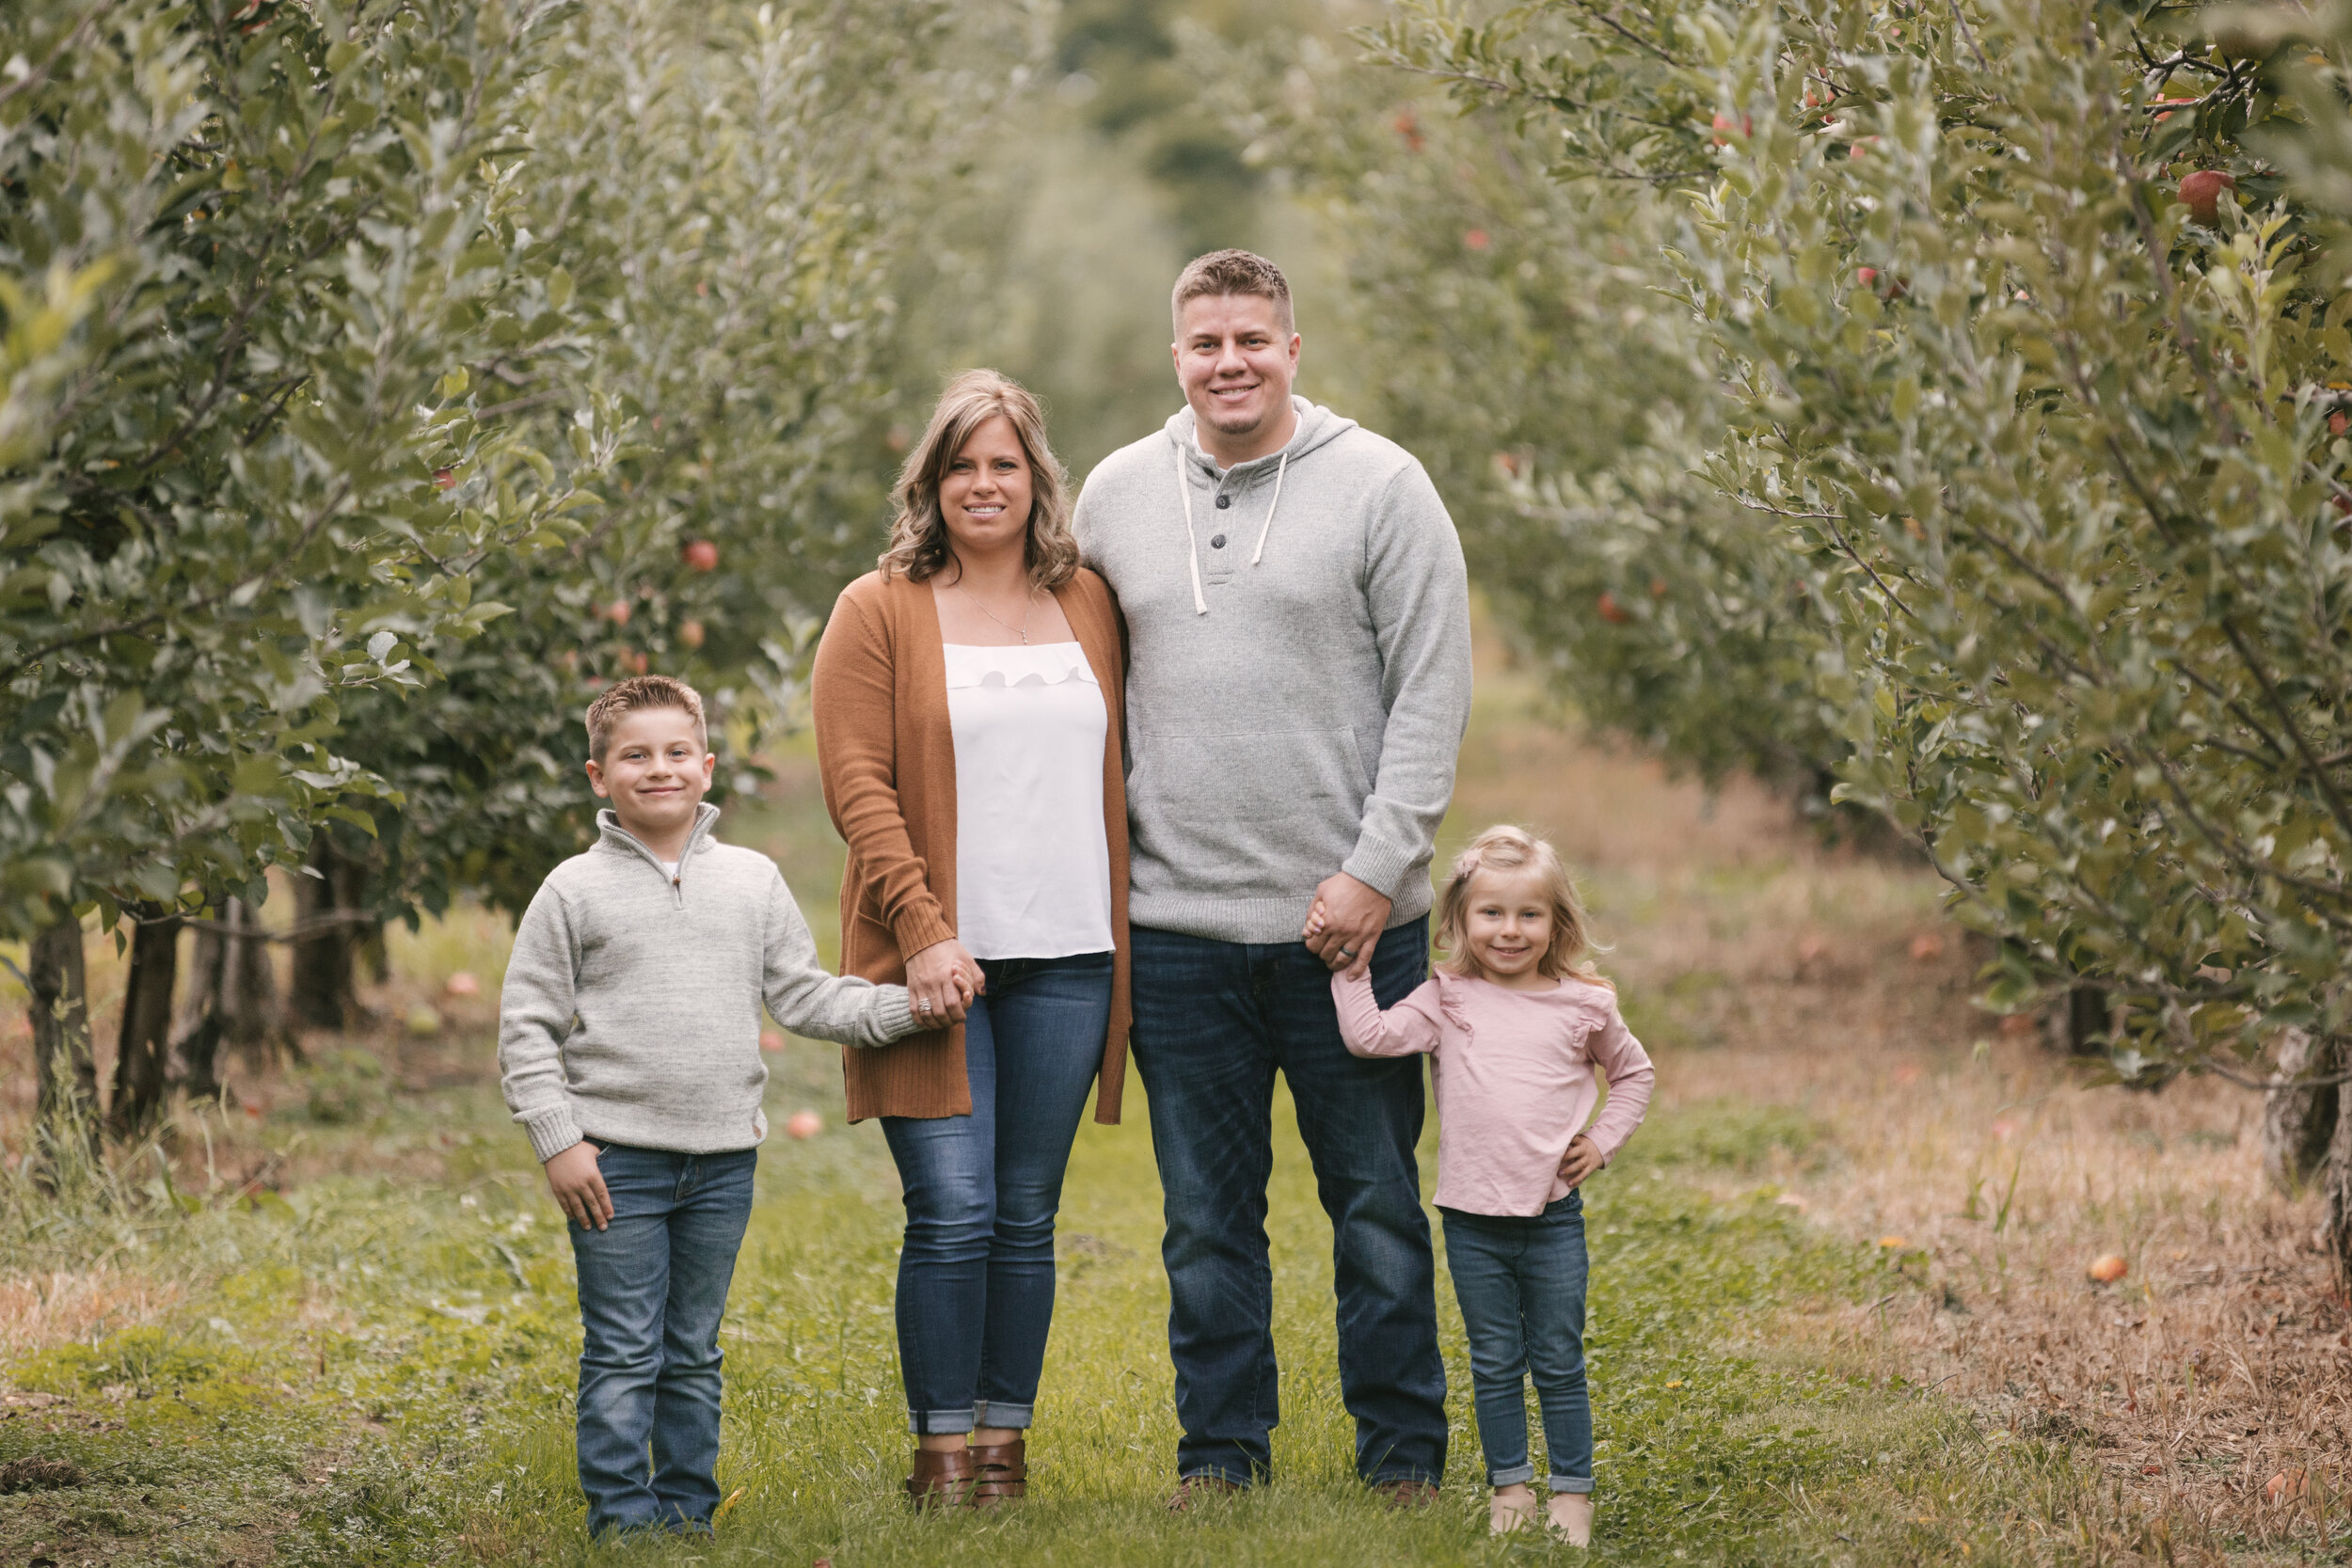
1027,605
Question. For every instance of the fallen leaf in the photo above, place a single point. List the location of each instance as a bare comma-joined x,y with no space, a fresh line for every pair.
1890,1243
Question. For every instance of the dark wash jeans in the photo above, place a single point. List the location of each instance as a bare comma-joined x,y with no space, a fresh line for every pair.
1520,1282
1215,1020
976,1277
652,1287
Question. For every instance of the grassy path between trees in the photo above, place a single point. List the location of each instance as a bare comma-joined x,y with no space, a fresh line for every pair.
374,1364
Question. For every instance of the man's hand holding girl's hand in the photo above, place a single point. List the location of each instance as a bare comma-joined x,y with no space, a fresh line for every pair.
579,1186
941,979
1580,1160
1346,923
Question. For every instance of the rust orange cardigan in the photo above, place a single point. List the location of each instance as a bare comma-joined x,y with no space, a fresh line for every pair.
888,753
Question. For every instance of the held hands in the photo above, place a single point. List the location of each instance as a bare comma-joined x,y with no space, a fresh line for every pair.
579,1186
1346,924
941,979
1580,1160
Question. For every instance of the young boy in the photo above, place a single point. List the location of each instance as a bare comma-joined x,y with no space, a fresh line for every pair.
629,1037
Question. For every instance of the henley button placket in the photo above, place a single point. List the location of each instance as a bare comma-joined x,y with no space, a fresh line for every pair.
1223,502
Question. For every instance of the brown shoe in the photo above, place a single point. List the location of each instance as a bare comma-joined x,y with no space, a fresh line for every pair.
1195,1489
944,1478
1405,1492
1003,1472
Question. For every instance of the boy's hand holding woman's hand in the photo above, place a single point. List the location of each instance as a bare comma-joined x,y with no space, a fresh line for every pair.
579,1186
941,979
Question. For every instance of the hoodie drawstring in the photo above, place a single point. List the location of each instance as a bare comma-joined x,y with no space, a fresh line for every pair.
1279,469
1192,543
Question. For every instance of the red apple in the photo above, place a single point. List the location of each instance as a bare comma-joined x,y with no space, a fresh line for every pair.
702,555
2108,1267
1408,126
2201,193
1658,587
1611,610
1722,124
803,1124
2337,423
462,984
1477,239
771,1039
444,480
690,633
635,660
617,612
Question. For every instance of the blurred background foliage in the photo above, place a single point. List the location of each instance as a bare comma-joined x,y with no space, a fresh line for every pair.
1815,400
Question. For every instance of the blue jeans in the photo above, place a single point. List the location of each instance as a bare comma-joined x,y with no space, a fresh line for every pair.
976,1277
1215,1020
652,1287
1520,1282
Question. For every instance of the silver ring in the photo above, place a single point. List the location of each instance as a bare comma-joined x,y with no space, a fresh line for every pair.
922,1006
1347,951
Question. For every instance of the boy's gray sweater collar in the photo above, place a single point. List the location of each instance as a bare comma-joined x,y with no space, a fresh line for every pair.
611,838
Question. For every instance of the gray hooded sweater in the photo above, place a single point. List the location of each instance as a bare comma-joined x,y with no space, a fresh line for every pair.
1299,672
631,1005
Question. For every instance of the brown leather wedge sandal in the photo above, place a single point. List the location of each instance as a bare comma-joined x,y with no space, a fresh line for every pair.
1004,1472
944,1478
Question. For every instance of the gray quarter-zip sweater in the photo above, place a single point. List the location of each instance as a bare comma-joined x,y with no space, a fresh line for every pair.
631,1007
1299,676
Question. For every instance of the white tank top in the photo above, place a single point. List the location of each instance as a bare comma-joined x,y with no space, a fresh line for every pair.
1033,869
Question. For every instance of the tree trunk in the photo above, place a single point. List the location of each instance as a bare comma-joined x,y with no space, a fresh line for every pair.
2087,1021
63,1066
249,988
2299,1119
196,1033
322,994
2336,1228
143,1056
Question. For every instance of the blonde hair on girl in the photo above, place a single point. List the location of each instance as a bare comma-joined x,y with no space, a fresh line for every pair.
1505,847
918,534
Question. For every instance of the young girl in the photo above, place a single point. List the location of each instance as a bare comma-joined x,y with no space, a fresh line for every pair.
1516,1019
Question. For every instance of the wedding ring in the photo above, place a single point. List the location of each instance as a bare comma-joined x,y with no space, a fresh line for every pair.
1347,951
922,1006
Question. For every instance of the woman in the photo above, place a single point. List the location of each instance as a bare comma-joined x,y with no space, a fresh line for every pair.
968,707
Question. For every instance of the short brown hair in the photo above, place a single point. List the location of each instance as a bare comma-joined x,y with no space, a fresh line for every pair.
1234,272
1509,849
918,534
634,694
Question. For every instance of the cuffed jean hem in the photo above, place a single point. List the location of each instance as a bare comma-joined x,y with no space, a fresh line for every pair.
1567,1484
995,1413
940,1423
1517,1475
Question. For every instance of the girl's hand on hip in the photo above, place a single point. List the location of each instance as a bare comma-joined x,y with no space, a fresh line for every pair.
1580,1160
941,979
579,1186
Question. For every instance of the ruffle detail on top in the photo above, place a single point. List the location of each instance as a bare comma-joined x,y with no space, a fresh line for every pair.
972,664
1451,1004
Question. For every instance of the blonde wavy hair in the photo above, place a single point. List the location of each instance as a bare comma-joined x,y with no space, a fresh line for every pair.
1509,849
919,544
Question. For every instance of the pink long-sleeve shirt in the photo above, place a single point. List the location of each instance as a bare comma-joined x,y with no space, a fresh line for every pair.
1514,1077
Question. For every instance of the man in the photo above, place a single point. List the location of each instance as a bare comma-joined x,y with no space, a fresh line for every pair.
1300,677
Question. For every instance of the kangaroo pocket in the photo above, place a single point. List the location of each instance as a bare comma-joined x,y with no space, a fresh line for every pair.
1261,814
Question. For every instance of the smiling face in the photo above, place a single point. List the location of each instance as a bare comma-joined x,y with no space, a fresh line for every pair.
655,770
1236,359
985,494
1507,925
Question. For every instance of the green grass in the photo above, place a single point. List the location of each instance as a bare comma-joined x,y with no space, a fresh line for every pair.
369,1373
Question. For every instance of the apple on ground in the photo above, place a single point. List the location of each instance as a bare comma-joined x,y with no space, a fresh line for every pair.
2108,1267
803,1124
